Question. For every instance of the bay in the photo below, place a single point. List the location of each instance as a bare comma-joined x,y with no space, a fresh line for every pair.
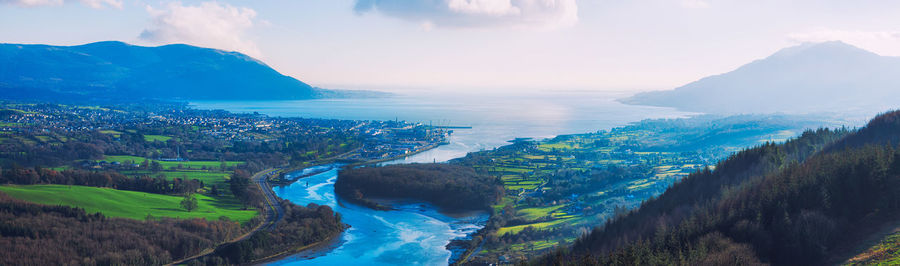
417,233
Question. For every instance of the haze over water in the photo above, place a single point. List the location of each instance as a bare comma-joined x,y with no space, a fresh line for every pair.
494,119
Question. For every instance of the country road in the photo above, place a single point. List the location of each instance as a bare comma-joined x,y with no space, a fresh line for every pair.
274,212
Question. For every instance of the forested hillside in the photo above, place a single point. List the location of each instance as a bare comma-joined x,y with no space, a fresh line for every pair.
787,204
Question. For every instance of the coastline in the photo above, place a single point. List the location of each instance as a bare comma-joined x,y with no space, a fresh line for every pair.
323,247
421,150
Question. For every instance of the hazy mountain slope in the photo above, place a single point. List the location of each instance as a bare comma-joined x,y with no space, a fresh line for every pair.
120,70
829,76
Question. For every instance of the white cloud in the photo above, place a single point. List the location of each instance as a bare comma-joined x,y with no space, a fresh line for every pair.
483,7
209,24
542,14
881,42
91,3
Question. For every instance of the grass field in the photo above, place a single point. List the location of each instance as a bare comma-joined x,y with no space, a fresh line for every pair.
536,213
534,245
538,226
128,204
152,138
7,124
169,165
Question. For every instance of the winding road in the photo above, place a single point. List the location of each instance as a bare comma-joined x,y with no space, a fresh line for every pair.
274,210
274,213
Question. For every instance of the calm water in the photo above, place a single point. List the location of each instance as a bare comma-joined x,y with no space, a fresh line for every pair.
494,118
414,235
417,234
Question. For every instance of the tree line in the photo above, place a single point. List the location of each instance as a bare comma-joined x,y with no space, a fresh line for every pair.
111,179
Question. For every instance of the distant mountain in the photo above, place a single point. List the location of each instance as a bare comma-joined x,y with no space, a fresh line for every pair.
121,71
813,77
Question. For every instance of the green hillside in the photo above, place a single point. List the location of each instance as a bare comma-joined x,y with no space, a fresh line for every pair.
128,204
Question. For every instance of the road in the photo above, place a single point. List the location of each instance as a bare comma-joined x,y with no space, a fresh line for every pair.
274,212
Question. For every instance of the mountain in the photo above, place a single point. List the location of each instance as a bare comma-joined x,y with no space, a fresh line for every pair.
123,71
813,77
809,201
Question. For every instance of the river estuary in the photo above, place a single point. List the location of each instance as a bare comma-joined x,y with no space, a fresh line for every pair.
417,233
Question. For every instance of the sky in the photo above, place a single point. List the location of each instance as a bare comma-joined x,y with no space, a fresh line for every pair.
471,45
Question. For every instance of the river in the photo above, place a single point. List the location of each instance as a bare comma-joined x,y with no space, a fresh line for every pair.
417,233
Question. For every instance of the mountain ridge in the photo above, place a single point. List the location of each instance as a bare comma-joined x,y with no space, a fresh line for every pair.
808,78
118,70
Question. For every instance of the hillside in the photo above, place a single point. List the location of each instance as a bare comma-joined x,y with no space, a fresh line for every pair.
116,70
813,77
797,203
128,204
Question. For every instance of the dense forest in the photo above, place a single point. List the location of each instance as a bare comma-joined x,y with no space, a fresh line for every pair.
786,204
451,187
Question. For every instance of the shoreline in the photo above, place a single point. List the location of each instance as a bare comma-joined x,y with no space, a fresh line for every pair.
327,244
421,150
336,161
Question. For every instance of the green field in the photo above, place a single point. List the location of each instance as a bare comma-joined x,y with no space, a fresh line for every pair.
7,124
536,213
125,159
128,204
538,226
152,138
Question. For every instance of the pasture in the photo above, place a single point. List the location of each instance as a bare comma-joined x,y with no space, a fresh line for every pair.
128,204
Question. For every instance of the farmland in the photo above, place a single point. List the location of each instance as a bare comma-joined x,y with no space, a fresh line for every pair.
559,188
210,173
546,183
129,204
170,165
151,138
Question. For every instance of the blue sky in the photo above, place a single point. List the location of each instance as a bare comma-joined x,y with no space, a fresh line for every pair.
474,45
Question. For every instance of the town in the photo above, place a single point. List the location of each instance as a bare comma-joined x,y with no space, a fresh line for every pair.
369,140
